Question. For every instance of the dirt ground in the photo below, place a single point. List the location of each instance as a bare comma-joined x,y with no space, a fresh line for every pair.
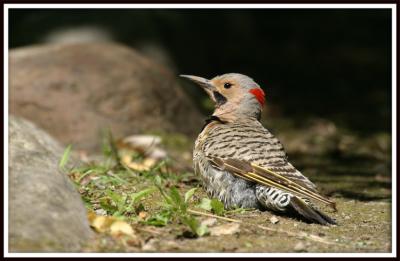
362,227
361,186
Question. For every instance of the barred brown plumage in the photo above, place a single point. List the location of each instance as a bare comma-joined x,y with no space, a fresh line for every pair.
241,162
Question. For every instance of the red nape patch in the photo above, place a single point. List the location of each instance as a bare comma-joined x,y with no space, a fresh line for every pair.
260,95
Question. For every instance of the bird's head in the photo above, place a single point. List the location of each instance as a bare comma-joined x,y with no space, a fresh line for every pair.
235,95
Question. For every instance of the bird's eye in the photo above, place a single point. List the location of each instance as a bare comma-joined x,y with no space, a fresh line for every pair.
227,85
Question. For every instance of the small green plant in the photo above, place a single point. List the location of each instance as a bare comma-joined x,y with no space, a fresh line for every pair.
136,197
214,205
107,185
64,159
217,207
176,207
119,205
113,203
159,219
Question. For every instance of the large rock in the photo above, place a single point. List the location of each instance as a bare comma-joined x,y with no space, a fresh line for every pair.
74,91
46,213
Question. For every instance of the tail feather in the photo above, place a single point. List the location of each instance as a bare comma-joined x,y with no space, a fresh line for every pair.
309,213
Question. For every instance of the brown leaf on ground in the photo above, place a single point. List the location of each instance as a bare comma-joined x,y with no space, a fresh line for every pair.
146,164
118,229
102,223
146,145
143,214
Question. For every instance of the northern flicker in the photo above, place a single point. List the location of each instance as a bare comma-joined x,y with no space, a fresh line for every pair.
241,163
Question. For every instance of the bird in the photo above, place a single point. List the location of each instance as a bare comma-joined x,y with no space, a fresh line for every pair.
242,163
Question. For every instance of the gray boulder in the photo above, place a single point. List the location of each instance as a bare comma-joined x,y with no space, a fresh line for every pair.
74,91
46,213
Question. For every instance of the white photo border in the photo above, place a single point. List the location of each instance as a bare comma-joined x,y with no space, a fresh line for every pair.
7,7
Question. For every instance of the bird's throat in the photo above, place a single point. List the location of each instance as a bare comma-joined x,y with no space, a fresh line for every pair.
219,99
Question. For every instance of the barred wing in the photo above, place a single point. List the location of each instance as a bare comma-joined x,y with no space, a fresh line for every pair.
268,177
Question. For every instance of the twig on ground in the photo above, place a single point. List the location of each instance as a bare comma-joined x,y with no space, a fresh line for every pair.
214,216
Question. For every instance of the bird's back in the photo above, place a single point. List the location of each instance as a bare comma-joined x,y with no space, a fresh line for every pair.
247,140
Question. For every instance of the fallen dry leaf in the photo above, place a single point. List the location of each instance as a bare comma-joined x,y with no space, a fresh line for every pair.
110,225
226,229
149,162
143,141
147,145
142,214
101,223
119,228
157,154
91,215
146,164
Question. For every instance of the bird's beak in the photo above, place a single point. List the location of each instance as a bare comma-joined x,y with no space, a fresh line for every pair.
204,83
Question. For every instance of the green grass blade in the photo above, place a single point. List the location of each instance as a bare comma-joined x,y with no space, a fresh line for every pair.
65,157
141,194
189,194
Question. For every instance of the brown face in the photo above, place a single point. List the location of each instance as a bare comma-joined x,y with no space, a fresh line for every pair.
228,88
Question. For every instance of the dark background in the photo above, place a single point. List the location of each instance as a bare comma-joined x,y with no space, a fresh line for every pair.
333,64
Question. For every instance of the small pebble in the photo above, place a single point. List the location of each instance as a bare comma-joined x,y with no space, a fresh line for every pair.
100,212
150,245
248,244
360,244
274,220
209,222
299,247
226,229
